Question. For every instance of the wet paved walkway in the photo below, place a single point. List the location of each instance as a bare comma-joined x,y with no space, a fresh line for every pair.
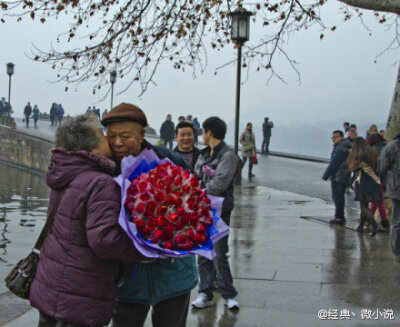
286,268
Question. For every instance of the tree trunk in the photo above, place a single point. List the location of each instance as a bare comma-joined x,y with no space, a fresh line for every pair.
391,6
393,122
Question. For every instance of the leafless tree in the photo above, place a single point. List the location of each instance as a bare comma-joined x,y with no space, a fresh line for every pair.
135,36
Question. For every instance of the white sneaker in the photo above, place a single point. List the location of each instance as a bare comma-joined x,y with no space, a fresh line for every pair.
232,304
202,301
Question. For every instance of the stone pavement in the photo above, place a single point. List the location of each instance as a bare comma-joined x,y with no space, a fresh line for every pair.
287,269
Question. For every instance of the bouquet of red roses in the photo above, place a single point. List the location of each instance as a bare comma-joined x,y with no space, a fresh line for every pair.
164,210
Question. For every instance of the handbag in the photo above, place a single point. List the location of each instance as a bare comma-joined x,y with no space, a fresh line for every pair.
20,279
255,160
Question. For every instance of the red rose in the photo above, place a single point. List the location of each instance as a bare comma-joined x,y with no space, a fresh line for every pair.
194,182
162,210
199,238
178,181
144,196
201,229
170,200
140,208
158,234
168,245
161,221
159,197
186,174
142,186
173,217
186,189
138,221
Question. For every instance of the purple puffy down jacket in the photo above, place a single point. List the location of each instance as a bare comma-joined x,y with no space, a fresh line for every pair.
74,281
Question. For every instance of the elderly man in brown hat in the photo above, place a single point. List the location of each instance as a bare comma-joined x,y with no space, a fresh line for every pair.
164,284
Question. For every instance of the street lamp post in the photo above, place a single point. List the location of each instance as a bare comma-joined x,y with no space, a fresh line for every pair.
113,79
10,72
240,30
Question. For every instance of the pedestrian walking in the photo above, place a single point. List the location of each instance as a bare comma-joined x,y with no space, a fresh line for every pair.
75,282
27,113
248,142
35,114
217,166
363,160
267,132
163,284
60,114
339,174
53,114
389,169
167,132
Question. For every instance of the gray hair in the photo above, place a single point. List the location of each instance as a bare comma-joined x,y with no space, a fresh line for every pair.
80,133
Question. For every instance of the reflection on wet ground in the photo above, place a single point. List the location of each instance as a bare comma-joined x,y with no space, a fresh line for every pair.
23,205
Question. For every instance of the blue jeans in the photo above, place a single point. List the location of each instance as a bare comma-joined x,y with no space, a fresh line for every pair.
338,190
219,267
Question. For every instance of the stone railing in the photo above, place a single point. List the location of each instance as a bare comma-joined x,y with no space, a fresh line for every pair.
24,150
7,121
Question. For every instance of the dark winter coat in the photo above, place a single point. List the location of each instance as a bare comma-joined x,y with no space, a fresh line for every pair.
195,155
337,169
74,281
27,110
267,128
162,279
167,130
379,146
389,167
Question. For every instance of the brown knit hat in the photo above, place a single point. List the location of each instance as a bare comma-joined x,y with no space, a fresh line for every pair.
125,112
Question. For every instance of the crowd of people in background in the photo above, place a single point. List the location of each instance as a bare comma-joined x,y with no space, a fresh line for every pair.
359,163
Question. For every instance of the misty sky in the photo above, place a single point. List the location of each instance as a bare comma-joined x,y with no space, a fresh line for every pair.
339,80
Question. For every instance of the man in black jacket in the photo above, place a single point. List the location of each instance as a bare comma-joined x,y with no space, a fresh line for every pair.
167,132
27,113
267,131
184,136
339,174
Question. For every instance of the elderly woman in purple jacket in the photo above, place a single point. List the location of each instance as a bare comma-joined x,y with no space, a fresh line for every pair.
75,280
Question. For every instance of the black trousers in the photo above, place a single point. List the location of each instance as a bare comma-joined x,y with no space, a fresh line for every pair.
265,143
168,313
47,321
338,190
250,164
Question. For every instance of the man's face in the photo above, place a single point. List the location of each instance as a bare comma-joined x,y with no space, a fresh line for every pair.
125,138
169,117
352,134
185,139
336,138
346,126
